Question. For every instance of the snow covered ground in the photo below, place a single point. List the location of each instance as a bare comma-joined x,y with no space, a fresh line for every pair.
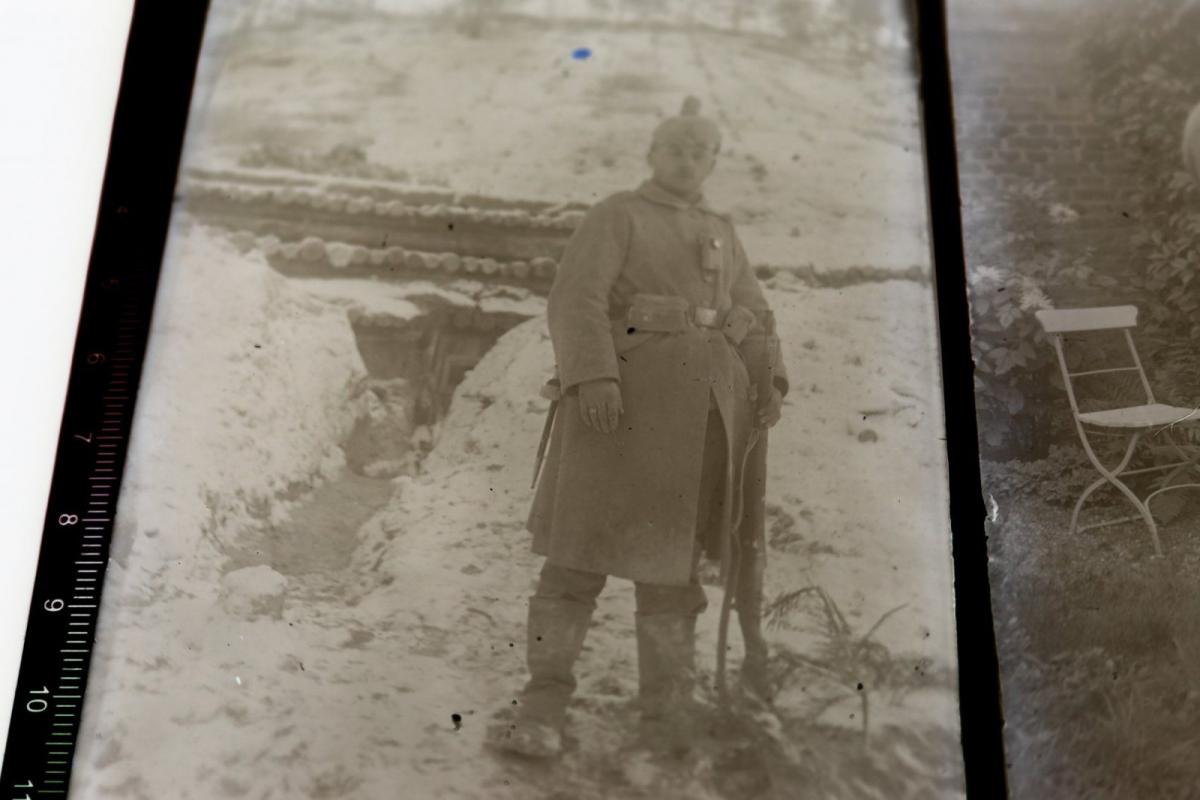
274,627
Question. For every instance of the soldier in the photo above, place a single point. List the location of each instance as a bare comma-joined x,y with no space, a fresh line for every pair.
657,322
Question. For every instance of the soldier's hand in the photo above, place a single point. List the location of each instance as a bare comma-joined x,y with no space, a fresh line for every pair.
772,411
600,404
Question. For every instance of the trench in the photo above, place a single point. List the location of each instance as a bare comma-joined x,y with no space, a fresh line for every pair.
414,364
419,362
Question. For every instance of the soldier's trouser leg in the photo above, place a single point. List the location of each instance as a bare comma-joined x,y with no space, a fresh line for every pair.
666,640
666,615
559,614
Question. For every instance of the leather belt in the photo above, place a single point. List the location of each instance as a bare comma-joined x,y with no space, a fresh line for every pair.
668,314
699,316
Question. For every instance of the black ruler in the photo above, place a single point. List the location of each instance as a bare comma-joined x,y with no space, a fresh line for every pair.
131,228
76,537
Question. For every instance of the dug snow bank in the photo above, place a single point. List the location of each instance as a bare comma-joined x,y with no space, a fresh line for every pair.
249,385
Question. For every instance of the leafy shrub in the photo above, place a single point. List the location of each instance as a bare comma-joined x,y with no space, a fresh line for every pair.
1142,60
1019,267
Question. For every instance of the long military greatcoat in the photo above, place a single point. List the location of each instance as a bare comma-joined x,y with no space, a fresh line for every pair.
625,503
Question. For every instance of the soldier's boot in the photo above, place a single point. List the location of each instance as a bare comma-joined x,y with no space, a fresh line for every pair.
556,632
667,681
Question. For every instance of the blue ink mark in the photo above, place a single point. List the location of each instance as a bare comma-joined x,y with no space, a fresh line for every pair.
581,53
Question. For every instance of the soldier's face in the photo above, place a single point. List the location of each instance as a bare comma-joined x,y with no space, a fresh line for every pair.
682,165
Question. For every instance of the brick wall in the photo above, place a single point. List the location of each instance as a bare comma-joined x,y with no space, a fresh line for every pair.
1024,114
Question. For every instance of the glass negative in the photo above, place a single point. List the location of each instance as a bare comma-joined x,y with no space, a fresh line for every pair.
1079,186
393,221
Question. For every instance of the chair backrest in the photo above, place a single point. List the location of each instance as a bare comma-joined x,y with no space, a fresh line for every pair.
1073,320
1059,321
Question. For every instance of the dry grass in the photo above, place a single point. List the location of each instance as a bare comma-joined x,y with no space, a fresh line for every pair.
1100,654
851,660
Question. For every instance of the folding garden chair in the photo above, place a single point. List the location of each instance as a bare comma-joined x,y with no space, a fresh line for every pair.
1151,417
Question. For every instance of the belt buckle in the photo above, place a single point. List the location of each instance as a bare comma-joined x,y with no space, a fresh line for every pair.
705,317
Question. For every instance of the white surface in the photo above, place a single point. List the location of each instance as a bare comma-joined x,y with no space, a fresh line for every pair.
60,65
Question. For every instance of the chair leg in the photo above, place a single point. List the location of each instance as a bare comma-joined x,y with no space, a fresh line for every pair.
1144,510
1079,503
1188,462
1110,477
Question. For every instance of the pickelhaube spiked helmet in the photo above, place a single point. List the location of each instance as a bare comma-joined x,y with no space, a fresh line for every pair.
688,126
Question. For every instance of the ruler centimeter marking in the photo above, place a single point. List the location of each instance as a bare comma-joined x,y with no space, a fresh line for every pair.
60,640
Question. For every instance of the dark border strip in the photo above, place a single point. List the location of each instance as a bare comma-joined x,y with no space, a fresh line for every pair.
978,669
122,277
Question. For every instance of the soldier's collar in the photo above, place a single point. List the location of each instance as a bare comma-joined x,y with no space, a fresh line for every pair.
656,194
